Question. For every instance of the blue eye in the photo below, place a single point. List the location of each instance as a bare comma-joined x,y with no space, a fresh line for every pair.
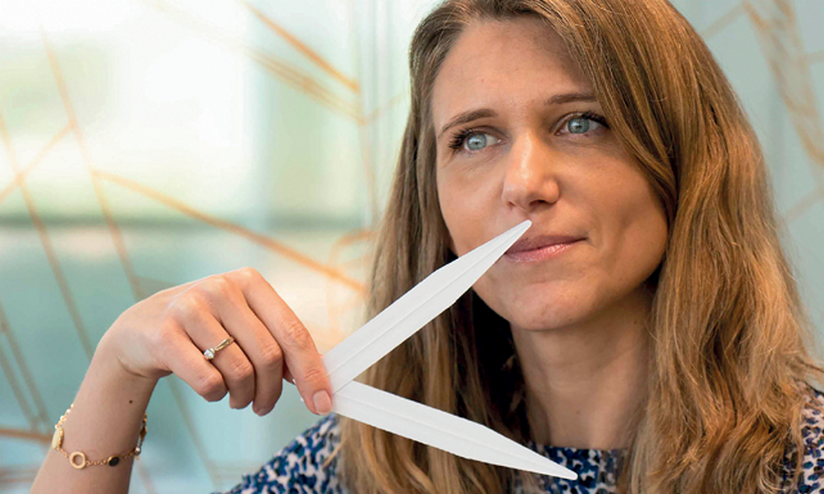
579,125
584,123
476,142
472,141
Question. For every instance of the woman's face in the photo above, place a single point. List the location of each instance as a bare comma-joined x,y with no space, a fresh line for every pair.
536,147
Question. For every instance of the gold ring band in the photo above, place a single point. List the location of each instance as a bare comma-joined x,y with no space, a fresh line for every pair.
209,353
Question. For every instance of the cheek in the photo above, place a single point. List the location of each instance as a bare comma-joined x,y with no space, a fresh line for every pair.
445,198
640,236
464,208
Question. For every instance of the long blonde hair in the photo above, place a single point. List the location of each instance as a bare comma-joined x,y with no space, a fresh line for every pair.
731,338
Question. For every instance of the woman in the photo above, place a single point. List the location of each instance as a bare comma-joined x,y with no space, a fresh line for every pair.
647,333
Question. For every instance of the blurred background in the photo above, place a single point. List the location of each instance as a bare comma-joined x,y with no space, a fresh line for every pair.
148,143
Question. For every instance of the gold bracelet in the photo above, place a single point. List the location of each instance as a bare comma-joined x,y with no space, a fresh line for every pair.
57,443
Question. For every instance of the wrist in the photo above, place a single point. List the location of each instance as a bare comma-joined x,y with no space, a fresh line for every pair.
108,366
79,460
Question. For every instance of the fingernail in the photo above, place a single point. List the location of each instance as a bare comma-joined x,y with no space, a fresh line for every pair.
323,403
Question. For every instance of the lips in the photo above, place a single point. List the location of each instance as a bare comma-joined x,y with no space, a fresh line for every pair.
537,242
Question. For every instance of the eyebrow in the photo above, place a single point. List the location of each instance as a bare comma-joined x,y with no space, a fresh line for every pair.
469,116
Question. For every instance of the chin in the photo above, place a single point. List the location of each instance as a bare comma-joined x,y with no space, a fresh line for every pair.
546,320
540,314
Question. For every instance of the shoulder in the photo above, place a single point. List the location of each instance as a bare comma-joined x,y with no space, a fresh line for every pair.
303,466
812,426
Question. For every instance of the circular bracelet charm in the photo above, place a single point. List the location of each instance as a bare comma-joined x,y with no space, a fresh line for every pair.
78,459
82,460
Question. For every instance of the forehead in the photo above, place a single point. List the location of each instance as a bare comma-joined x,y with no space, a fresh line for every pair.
494,63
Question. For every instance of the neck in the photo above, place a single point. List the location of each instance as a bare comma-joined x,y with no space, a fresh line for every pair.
586,382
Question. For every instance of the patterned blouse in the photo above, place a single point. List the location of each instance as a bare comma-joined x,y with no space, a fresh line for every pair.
302,467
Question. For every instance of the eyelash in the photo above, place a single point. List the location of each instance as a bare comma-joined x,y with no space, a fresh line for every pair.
458,140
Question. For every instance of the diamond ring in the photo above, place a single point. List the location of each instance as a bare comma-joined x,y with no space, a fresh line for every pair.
209,353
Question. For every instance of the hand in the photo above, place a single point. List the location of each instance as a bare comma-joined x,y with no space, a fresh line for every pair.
168,332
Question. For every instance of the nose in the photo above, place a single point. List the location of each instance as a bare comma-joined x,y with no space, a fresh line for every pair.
530,182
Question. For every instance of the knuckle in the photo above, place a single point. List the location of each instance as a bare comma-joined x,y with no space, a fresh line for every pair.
296,333
248,275
314,376
218,286
210,387
188,306
241,370
271,356
162,337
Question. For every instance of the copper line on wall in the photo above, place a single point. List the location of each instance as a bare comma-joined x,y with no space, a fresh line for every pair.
18,394
15,388
326,339
45,240
304,83
183,407
360,261
370,173
784,6
347,240
255,237
117,236
722,22
155,285
802,206
335,309
368,166
781,45
378,112
295,77
351,238
4,193
59,277
121,249
301,47
354,262
115,232
146,478
141,278
782,32
25,435
34,392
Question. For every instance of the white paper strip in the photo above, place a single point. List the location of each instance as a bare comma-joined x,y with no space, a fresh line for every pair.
413,310
439,429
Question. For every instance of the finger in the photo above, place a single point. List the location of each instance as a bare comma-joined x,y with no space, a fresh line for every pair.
258,344
178,290
238,373
287,375
299,351
186,361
